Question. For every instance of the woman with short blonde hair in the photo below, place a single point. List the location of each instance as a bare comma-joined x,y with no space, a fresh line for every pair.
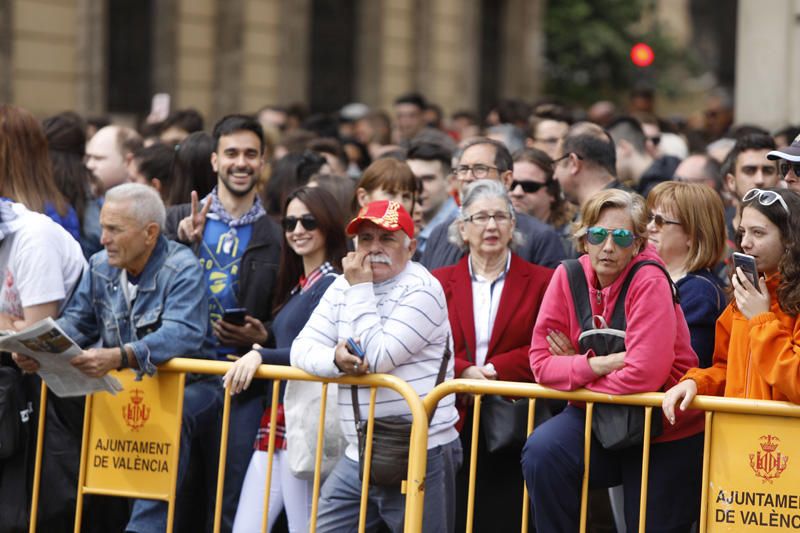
687,228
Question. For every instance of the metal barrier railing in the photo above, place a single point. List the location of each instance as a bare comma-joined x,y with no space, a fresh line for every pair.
710,404
413,487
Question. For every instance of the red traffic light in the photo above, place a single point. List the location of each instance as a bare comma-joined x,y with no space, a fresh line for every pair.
642,55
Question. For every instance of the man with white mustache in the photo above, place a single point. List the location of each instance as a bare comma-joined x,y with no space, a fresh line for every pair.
238,246
397,311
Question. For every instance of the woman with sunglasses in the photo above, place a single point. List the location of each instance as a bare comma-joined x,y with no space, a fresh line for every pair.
758,334
493,297
687,229
613,235
313,247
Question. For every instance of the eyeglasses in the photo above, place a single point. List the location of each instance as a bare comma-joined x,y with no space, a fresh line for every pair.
479,171
765,198
622,237
786,166
307,221
752,170
481,219
527,186
563,157
660,221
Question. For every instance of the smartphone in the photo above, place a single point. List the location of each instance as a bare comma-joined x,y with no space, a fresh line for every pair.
235,315
354,348
748,265
159,106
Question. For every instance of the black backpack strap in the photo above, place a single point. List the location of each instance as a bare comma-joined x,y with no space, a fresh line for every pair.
618,320
580,292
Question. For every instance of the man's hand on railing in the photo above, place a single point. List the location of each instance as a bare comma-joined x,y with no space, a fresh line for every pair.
683,392
240,374
347,362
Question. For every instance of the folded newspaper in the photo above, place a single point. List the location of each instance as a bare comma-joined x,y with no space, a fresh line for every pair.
53,350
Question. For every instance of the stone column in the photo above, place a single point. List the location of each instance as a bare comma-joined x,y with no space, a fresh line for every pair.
229,39
292,53
6,33
165,46
767,55
523,49
91,46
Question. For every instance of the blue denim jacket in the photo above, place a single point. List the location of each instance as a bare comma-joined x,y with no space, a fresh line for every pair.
168,317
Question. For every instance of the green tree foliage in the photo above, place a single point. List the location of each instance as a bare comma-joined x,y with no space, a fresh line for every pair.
588,50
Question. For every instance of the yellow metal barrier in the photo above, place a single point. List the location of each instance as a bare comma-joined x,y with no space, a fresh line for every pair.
765,463
413,486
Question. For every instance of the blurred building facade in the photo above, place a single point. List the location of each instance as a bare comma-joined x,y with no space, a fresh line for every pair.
219,56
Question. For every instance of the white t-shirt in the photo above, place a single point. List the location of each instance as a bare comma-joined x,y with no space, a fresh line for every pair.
39,262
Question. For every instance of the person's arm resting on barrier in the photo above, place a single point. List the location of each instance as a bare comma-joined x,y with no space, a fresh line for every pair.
314,348
415,319
562,372
649,337
184,317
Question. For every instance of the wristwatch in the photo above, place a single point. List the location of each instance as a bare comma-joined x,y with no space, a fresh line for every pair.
123,358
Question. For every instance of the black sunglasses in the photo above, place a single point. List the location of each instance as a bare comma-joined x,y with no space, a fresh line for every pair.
308,222
527,186
786,165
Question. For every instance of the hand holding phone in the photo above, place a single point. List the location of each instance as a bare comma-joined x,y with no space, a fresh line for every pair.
235,316
355,348
748,265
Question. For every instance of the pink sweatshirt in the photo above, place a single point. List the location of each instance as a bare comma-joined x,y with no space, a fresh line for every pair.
658,348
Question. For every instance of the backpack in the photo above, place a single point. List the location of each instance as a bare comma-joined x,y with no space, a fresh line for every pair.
616,426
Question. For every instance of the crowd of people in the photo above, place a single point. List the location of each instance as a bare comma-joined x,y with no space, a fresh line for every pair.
518,242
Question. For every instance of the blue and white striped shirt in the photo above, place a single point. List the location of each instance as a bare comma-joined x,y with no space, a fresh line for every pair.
402,325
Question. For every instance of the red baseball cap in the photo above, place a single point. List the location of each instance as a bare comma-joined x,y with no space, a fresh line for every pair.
386,214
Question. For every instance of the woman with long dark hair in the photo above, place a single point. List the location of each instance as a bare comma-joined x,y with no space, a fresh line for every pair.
191,169
314,244
66,140
757,336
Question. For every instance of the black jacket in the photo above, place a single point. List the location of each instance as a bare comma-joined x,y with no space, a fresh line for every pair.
258,273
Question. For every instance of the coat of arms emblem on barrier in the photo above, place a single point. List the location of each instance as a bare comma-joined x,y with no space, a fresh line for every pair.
768,463
136,412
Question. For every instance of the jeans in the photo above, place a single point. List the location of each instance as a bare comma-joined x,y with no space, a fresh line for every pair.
340,497
202,404
552,464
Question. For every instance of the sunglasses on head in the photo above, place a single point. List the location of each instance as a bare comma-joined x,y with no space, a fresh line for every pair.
527,186
621,237
785,166
765,198
307,221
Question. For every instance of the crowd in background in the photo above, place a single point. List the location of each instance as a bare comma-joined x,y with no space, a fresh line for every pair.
497,204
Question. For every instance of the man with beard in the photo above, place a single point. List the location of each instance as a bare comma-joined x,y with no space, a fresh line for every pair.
239,248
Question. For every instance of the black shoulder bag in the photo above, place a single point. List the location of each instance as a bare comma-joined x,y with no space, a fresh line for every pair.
616,426
391,437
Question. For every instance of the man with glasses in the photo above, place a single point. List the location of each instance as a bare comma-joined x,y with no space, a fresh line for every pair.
484,158
238,246
748,167
788,163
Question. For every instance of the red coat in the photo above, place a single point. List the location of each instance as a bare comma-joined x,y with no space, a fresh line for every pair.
523,291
